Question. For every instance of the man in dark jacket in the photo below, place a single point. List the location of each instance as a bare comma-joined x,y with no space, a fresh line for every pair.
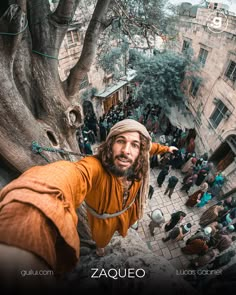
162,175
176,217
173,180
178,233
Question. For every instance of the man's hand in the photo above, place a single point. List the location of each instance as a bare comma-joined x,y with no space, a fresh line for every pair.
172,149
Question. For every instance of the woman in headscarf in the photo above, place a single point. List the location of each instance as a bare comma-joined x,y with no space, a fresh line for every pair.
189,165
206,197
196,196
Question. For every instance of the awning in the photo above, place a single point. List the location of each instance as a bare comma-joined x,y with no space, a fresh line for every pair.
130,75
111,89
180,119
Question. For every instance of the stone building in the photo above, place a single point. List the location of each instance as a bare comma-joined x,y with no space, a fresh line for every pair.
210,33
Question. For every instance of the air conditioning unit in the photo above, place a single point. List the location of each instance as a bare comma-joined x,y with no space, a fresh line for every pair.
227,115
216,100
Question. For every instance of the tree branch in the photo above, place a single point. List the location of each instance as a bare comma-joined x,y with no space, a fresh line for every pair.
89,49
22,4
13,24
48,30
65,11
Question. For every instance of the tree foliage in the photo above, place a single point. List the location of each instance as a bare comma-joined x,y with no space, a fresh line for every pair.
160,77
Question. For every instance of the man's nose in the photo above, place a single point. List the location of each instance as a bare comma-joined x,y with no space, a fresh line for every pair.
126,148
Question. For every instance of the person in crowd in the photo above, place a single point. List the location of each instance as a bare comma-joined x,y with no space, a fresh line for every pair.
102,130
80,142
154,162
175,218
202,233
211,214
195,198
210,180
113,185
205,259
178,233
196,246
164,160
87,147
217,185
157,219
172,182
202,161
188,166
221,260
215,227
229,203
228,217
191,145
201,175
190,181
206,197
150,192
222,240
89,134
162,175
176,159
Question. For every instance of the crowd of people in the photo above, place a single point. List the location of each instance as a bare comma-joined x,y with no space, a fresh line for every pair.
38,210
200,181
210,245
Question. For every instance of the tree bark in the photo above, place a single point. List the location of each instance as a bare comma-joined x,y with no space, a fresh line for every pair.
89,49
34,105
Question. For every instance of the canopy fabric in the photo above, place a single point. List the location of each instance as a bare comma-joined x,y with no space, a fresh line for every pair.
180,119
111,89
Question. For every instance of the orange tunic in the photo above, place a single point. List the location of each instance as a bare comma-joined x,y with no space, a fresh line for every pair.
56,190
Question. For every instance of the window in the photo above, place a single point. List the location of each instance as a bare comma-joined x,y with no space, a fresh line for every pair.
220,112
231,71
186,45
194,87
202,56
72,38
84,83
232,141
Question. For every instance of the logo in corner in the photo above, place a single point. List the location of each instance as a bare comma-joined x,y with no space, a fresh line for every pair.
217,22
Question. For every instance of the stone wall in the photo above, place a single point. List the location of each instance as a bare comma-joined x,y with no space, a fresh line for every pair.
221,49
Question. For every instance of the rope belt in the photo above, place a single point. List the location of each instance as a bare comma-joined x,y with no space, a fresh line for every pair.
107,215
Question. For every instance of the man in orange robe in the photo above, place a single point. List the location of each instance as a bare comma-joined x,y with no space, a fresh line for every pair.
38,219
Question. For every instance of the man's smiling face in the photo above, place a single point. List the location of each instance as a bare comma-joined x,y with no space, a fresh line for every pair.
126,149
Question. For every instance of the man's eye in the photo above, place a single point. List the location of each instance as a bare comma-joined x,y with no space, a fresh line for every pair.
135,145
120,141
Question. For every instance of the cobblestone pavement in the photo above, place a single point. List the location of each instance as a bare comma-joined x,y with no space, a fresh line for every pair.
171,250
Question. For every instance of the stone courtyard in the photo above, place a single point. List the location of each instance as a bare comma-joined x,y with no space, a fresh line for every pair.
171,250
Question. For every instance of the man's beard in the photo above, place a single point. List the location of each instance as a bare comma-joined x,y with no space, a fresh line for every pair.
129,172
122,173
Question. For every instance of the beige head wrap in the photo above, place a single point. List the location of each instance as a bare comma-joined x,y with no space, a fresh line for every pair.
129,125
204,187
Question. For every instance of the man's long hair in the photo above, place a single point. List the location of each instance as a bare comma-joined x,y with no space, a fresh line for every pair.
140,168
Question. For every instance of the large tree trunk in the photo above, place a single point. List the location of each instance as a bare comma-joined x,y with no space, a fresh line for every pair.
34,105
